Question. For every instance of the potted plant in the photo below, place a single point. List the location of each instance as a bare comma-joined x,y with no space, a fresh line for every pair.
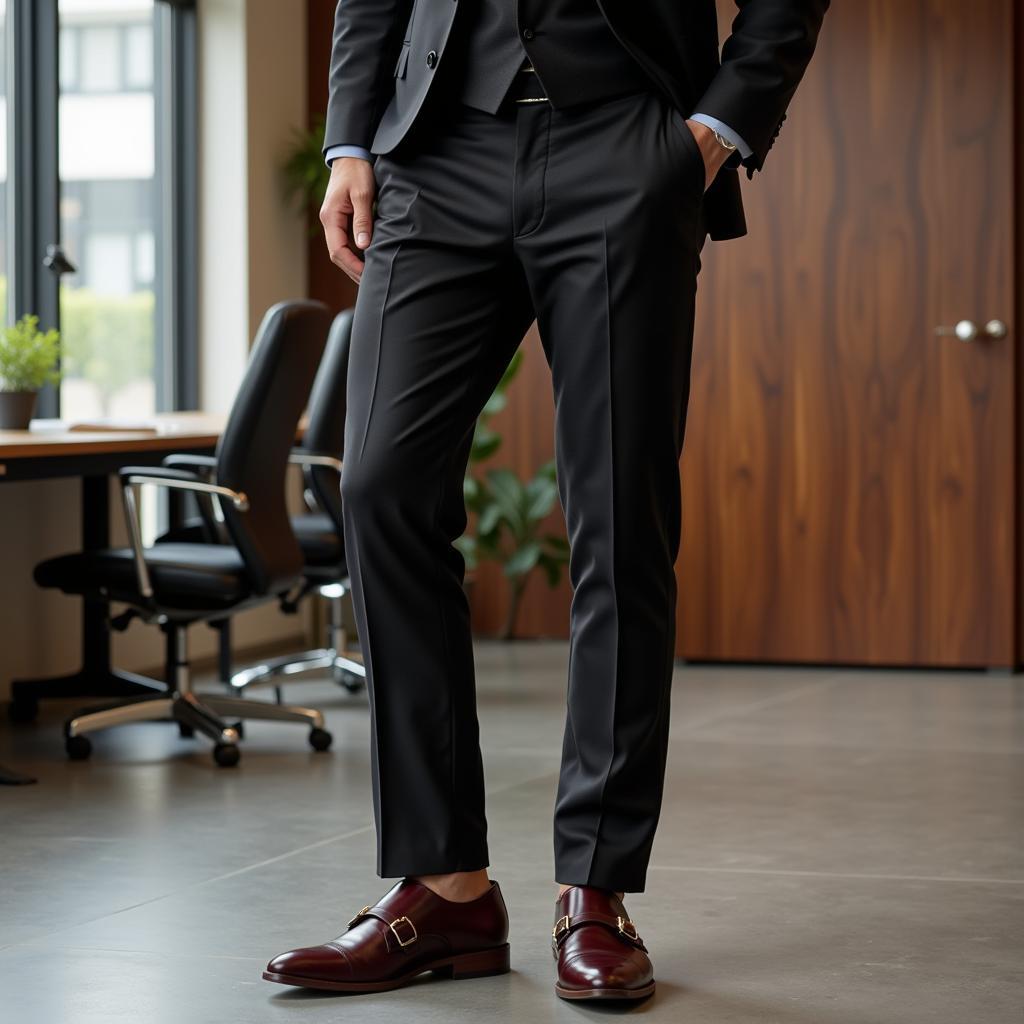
306,174
28,360
509,513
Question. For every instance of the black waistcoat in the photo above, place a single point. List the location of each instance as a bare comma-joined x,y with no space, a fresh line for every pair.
574,52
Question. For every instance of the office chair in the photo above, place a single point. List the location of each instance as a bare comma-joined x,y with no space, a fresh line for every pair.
174,585
320,533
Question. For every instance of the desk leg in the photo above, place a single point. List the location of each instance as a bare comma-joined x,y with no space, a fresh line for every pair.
96,677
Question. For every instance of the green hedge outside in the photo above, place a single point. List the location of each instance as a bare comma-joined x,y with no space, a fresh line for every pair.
108,341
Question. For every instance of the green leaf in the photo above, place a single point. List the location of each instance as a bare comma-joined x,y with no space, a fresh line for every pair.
557,541
28,356
552,570
485,444
490,517
541,494
523,560
509,495
494,404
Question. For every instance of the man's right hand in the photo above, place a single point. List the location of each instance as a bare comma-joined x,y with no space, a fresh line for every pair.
347,213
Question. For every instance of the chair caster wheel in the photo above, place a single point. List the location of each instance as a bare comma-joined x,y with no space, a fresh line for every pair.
350,681
185,731
226,754
23,709
320,739
78,747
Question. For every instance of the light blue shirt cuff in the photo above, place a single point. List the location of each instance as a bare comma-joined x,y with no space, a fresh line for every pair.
725,131
364,154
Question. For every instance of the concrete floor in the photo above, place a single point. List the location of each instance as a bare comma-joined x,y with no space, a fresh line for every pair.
835,847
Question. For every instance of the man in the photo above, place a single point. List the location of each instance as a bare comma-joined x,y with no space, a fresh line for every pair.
560,160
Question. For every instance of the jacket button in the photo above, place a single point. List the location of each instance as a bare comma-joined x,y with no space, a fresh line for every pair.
431,58
527,33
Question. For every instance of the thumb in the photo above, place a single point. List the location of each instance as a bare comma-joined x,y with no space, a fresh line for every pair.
362,221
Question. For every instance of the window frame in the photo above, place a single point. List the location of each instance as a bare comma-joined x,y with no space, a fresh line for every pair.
33,193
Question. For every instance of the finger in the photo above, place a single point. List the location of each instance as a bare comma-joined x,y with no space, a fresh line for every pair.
361,198
339,246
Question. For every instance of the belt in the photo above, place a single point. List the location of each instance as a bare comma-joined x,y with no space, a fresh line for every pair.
526,87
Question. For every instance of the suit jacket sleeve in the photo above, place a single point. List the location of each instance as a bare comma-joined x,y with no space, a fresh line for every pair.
366,43
763,60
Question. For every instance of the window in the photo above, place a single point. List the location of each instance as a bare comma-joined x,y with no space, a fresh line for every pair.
105,137
5,241
109,200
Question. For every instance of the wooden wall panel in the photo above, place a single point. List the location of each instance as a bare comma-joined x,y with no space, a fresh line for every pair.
850,481
326,282
848,476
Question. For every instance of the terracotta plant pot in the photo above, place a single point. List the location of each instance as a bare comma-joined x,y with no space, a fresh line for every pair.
16,408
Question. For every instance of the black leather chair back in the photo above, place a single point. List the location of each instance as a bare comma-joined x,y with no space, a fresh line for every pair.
252,455
325,431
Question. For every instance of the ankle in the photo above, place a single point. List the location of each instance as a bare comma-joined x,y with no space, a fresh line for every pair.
457,887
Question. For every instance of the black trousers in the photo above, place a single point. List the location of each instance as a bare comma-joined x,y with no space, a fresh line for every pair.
587,219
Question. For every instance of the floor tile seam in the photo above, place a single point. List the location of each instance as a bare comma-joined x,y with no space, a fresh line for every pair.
765,702
692,734
849,875
326,841
162,953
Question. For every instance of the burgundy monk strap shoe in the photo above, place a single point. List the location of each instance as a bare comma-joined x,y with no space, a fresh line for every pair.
409,931
599,954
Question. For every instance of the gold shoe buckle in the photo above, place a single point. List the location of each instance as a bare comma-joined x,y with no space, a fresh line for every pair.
394,931
358,916
628,929
561,927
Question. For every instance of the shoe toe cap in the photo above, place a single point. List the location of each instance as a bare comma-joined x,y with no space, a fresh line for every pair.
322,963
604,972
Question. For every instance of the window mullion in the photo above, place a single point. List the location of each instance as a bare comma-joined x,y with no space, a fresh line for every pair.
34,168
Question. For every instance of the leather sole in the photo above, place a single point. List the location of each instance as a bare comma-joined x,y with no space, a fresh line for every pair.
610,994
481,964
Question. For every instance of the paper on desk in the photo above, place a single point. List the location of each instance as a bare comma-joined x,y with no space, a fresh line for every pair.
103,424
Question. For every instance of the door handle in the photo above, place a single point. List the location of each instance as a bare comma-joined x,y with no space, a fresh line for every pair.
968,330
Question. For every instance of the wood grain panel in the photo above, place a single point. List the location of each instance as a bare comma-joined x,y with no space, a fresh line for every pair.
326,281
848,476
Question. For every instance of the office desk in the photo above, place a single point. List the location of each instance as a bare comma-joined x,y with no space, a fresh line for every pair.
46,454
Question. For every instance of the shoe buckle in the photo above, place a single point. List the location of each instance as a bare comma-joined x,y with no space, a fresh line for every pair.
628,929
358,916
560,929
394,931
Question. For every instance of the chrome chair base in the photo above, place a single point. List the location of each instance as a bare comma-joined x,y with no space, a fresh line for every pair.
192,711
346,666
344,669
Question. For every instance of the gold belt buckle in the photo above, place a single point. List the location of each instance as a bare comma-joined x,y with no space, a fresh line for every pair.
358,916
394,931
531,99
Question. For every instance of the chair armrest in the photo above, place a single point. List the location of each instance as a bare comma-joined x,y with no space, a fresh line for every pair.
304,457
204,467
193,462
176,479
181,480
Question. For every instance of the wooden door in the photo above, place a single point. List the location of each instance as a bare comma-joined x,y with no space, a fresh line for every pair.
849,476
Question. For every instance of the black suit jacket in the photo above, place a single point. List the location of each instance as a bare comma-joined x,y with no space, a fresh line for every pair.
386,54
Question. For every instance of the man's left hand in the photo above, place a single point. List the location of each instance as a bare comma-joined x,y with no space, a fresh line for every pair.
714,154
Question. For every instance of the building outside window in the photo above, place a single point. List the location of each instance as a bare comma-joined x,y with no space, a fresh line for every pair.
109,207
4,169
